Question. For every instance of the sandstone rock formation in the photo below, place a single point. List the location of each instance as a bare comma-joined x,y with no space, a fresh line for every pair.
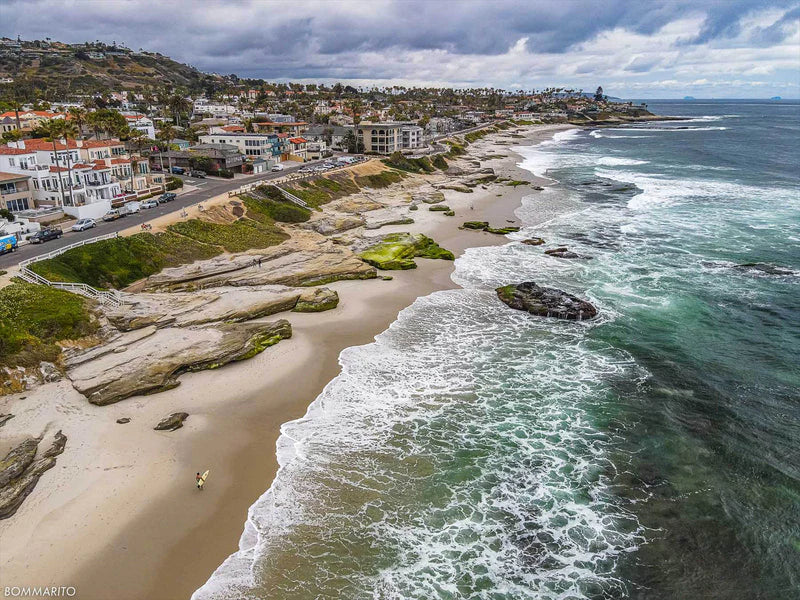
20,471
172,422
150,359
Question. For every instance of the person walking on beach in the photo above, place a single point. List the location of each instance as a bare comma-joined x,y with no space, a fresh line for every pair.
199,481
259,262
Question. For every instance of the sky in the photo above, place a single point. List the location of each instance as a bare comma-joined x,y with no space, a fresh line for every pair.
633,48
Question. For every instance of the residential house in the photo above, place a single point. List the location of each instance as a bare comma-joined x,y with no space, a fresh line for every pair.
15,192
332,135
297,148
143,124
28,119
220,156
267,146
317,149
295,128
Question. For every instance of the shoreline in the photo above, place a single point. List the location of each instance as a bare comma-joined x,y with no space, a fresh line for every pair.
168,543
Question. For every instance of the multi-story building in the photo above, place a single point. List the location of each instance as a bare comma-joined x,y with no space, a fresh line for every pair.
411,136
15,192
267,146
28,119
295,128
143,124
381,138
297,148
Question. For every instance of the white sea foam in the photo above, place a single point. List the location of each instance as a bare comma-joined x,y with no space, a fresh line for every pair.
613,161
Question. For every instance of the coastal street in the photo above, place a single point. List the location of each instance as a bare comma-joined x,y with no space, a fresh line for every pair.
206,188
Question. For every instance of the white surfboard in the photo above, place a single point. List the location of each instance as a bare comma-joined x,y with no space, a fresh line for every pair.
202,480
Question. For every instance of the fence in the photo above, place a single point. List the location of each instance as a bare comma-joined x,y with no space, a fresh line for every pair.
112,298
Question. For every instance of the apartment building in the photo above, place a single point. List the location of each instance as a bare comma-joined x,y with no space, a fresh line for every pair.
15,192
267,146
381,138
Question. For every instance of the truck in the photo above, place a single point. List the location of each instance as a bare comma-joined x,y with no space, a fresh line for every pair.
132,207
45,235
8,243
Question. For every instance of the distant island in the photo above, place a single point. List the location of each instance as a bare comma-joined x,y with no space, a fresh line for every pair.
688,97
776,98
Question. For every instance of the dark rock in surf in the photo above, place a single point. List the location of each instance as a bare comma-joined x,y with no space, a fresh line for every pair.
533,241
546,302
564,252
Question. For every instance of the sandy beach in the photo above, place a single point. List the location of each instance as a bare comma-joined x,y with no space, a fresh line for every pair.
119,516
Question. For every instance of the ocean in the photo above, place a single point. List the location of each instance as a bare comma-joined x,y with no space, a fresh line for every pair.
476,452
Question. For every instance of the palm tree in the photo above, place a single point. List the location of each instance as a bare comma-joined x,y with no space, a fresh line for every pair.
166,133
178,104
78,115
69,131
52,130
137,138
95,121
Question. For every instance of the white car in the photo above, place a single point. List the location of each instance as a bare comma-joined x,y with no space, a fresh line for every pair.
277,168
82,224
150,204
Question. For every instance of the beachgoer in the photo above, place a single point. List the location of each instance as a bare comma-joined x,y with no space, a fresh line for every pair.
259,262
198,480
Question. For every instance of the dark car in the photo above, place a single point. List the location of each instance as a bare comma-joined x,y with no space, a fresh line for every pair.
178,170
197,174
168,197
45,235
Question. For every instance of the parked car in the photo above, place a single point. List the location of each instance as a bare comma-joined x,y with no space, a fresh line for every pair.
8,243
278,168
178,170
152,203
197,174
113,215
168,197
82,224
45,235
132,207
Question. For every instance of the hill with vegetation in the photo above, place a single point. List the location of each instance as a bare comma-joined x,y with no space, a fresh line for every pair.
56,69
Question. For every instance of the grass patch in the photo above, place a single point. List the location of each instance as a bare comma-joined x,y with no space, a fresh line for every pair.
33,318
267,210
118,262
316,192
379,180
236,237
412,165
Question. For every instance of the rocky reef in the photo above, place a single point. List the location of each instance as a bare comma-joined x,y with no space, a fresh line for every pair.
484,226
397,251
546,302
564,252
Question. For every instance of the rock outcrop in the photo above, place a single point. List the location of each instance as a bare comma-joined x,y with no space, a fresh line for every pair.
533,241
21,469
172,422
151,360
546,302
228,304
397,251
305,259
316,300
484,226
333,224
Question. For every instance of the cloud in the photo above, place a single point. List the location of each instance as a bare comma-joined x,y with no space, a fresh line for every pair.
579,43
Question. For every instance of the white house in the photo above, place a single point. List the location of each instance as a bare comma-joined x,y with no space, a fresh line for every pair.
143,124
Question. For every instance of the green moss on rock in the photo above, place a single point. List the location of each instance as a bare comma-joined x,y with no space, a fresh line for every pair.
397,251
439,208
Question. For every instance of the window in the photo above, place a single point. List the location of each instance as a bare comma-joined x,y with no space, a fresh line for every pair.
17,205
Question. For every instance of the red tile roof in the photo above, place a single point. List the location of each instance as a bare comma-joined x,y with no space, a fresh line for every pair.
12,176
5,150
298,140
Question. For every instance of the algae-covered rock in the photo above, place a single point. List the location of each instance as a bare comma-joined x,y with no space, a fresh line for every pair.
317,300
501,230
479,225
537,241
450,213
397,251
413,207
439,208
564,252
546,302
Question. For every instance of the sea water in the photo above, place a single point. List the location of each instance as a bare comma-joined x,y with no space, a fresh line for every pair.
476,452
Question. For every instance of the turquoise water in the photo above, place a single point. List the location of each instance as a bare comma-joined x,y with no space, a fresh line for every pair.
477,452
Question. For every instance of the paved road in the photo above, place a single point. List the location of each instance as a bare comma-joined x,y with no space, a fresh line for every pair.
206,188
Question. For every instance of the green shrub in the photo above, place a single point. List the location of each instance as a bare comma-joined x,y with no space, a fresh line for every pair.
33,318
413,165
439,162
174,183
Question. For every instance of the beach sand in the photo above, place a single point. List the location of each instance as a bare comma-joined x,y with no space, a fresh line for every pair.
119,515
